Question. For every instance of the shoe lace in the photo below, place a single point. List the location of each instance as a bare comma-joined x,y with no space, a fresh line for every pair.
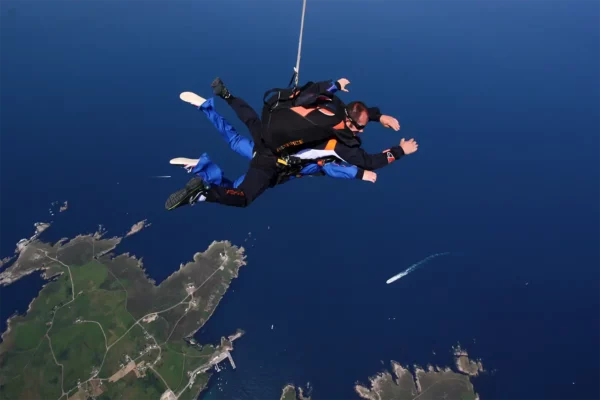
194,198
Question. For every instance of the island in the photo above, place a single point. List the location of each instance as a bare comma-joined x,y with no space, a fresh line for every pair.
430,384
101,328
290,392
64,207
464,364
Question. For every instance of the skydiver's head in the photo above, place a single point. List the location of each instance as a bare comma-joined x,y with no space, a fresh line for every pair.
357,116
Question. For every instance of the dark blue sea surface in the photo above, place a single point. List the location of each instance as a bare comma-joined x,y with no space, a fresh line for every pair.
502,97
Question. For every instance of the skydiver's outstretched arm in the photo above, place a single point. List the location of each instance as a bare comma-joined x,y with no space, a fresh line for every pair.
374,112
359,157
347,171
330,88
334,170
314,90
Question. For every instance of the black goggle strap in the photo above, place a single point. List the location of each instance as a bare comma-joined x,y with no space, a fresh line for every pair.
356,124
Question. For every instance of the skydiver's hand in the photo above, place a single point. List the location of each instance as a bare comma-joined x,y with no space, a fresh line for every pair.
409,146
390,122
343,83
369,176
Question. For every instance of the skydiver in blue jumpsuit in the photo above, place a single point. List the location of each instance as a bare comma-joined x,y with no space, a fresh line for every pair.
211,173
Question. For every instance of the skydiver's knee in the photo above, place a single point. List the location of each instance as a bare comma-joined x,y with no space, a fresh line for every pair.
248,201
243,146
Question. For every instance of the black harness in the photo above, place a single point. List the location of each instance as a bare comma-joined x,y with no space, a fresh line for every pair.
281,98
289,166
285,97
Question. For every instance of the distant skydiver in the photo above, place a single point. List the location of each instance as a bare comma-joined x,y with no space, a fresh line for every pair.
211,173
310,122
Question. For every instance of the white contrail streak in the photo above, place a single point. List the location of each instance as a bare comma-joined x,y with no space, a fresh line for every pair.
413,267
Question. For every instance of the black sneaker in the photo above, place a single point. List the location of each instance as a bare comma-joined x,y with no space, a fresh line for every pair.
219,88
188,195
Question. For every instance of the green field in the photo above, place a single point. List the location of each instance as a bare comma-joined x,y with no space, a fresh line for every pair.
96,316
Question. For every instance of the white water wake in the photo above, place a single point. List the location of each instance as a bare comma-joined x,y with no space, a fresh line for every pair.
413,267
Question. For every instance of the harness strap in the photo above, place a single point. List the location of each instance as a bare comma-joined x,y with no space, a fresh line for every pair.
291,166
287,162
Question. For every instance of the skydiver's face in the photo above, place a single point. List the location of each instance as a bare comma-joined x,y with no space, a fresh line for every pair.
357,126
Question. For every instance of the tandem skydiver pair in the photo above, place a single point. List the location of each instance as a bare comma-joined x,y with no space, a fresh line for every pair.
304,131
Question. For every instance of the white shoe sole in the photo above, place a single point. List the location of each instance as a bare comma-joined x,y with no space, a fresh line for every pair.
184,161
192,98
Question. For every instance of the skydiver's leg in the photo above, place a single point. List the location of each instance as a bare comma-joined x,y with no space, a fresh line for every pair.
206,169
238,143
238,181
243,110
247,115
227,183
254,184
259,177
199,190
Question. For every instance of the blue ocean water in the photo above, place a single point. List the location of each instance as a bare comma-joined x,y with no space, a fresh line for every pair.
502,97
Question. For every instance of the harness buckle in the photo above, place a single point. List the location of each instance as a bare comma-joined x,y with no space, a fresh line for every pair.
283,161
289,161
